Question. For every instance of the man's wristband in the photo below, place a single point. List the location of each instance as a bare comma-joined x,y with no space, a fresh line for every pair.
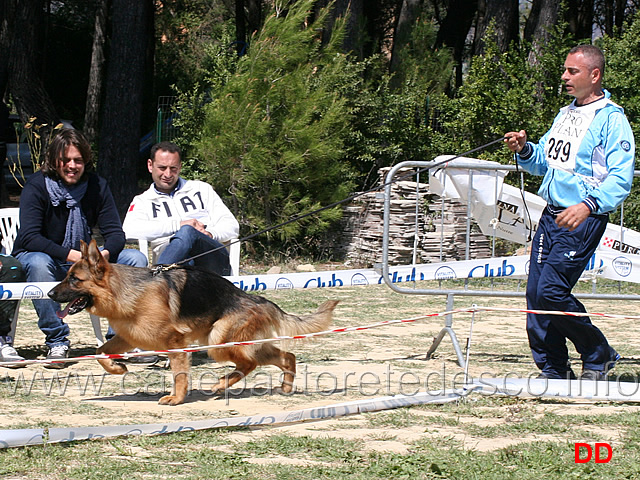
591,203
526,151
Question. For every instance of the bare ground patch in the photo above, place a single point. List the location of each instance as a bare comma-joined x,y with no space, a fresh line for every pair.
332,369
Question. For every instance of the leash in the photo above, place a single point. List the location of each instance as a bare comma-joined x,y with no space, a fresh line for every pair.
527,216
159,268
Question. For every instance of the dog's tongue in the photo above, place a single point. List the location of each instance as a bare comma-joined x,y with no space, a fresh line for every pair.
63,313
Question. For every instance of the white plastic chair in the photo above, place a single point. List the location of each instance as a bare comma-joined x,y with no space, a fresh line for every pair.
9,224
234,254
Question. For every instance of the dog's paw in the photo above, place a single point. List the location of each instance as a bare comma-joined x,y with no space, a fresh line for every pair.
118,368
170,400
113,368
218,389
284,389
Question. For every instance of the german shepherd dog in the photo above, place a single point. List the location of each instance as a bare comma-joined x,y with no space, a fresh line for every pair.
178,307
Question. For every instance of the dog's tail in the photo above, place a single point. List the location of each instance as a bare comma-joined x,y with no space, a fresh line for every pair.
316,322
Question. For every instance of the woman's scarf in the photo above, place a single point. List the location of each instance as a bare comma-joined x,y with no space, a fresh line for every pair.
77,227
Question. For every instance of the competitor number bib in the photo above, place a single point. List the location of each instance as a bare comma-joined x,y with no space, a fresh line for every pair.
567,134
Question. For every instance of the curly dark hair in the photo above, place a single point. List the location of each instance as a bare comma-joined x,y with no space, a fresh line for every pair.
58,147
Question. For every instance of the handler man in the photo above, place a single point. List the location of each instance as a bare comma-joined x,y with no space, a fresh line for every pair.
587,159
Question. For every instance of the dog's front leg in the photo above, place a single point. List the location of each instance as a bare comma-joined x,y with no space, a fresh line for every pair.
114,345
180,363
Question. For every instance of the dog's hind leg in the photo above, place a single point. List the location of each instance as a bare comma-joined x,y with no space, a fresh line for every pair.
285,361
180,363
114,345
244,366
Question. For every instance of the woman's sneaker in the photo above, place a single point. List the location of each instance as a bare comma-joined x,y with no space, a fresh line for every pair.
8,353
57,352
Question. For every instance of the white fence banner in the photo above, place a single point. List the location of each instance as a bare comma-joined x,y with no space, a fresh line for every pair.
609,264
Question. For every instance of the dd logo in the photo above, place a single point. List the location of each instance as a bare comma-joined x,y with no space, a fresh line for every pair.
580,447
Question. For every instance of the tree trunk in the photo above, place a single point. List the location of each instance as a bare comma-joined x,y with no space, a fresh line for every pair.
5,38
353,39
612,13
356,23
543,16
25,80
404,26
580,18
254,16
248,21
6,13
94,89
455,28
132,29
241,28
506,17
619,19
608,17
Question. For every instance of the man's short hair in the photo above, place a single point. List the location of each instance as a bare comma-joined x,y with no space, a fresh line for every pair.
165,147
58,148
593,55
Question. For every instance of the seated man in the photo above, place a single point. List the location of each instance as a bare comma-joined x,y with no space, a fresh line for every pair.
181,218
59,206
10,271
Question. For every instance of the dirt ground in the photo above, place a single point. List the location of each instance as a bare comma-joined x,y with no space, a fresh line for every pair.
332,369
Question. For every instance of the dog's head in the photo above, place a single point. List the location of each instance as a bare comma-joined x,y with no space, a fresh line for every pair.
83,278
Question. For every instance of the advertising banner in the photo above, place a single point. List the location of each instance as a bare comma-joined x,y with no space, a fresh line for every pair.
606,263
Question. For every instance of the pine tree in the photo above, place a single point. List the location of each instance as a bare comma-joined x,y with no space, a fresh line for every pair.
273,133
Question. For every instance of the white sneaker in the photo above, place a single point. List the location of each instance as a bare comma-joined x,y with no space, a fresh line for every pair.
57,352
8,353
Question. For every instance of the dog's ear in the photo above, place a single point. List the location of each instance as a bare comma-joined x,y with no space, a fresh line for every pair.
84,249
91,251
97,262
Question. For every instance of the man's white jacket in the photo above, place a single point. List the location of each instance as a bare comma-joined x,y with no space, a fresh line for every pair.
156,216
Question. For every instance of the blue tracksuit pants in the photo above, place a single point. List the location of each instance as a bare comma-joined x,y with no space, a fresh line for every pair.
558,258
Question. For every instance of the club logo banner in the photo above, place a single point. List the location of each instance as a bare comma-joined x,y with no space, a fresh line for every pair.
608,264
